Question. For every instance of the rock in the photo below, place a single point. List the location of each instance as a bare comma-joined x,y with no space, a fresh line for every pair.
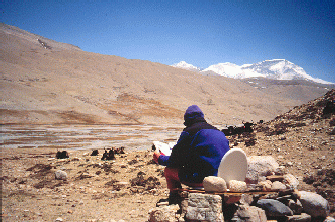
59,219
296,207
204,207
278,186
314,204
237,186
215,184
289,164
274,208
249,214
266,185
122,184
329,219
85,175
163,214
259,166
280,170
291,180
60,175
299,218
246,199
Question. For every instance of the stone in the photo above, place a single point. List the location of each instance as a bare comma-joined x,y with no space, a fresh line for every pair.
59,219
329,219
214,184
122,184
291,180
85,175
266,185
314,204
296,207
204,207
249,214
299,218
163,214
259,166
274,208
278,186
246,199
237,186
280,170
60,175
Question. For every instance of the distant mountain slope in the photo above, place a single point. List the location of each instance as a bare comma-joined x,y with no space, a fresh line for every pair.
276,69
37,39
50,82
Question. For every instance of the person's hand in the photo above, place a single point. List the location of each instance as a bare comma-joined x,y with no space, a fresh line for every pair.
156,156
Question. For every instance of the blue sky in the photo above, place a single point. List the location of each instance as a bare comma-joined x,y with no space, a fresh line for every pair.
201,33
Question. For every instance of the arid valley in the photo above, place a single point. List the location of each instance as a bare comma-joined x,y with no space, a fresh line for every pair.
56,97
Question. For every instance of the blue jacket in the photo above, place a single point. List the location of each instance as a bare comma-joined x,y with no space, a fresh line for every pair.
199,150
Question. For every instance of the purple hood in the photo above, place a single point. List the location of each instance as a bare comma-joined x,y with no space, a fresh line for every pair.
192,113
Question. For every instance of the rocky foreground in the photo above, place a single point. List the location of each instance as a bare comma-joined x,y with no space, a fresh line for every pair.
38,187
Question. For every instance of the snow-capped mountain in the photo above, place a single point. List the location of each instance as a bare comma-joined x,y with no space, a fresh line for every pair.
231,70
277,69
185,65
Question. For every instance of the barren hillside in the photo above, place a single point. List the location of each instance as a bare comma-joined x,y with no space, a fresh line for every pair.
46,82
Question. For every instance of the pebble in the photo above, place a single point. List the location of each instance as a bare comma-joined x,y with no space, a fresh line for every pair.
289,164
60,175
59,219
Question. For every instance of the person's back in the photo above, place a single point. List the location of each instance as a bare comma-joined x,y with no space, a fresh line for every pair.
203,155
197,154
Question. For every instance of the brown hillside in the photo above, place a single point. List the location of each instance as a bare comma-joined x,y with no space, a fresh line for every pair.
43,82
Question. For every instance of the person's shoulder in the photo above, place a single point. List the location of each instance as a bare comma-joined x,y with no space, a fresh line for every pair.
196,127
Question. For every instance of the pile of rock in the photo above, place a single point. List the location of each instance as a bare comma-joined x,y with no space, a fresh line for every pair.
271,195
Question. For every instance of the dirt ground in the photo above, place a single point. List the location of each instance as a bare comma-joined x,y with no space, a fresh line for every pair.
302,141
125,188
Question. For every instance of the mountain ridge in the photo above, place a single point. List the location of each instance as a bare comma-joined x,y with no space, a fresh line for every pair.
277,69
63,84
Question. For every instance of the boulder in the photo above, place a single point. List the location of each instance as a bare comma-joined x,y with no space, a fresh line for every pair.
163,214
299,218
246,199
266,185
274,208
278,186
215,184
314,204
291,181
295,206
260,166
329,219
204,207
249,214
60,175
237,186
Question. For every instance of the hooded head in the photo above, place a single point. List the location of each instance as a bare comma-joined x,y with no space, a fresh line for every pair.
192,113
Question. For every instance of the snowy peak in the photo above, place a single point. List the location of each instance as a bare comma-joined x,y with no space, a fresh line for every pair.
185,65
276,69
281,69
231,70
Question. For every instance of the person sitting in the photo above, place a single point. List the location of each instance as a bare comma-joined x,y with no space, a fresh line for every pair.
196,155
